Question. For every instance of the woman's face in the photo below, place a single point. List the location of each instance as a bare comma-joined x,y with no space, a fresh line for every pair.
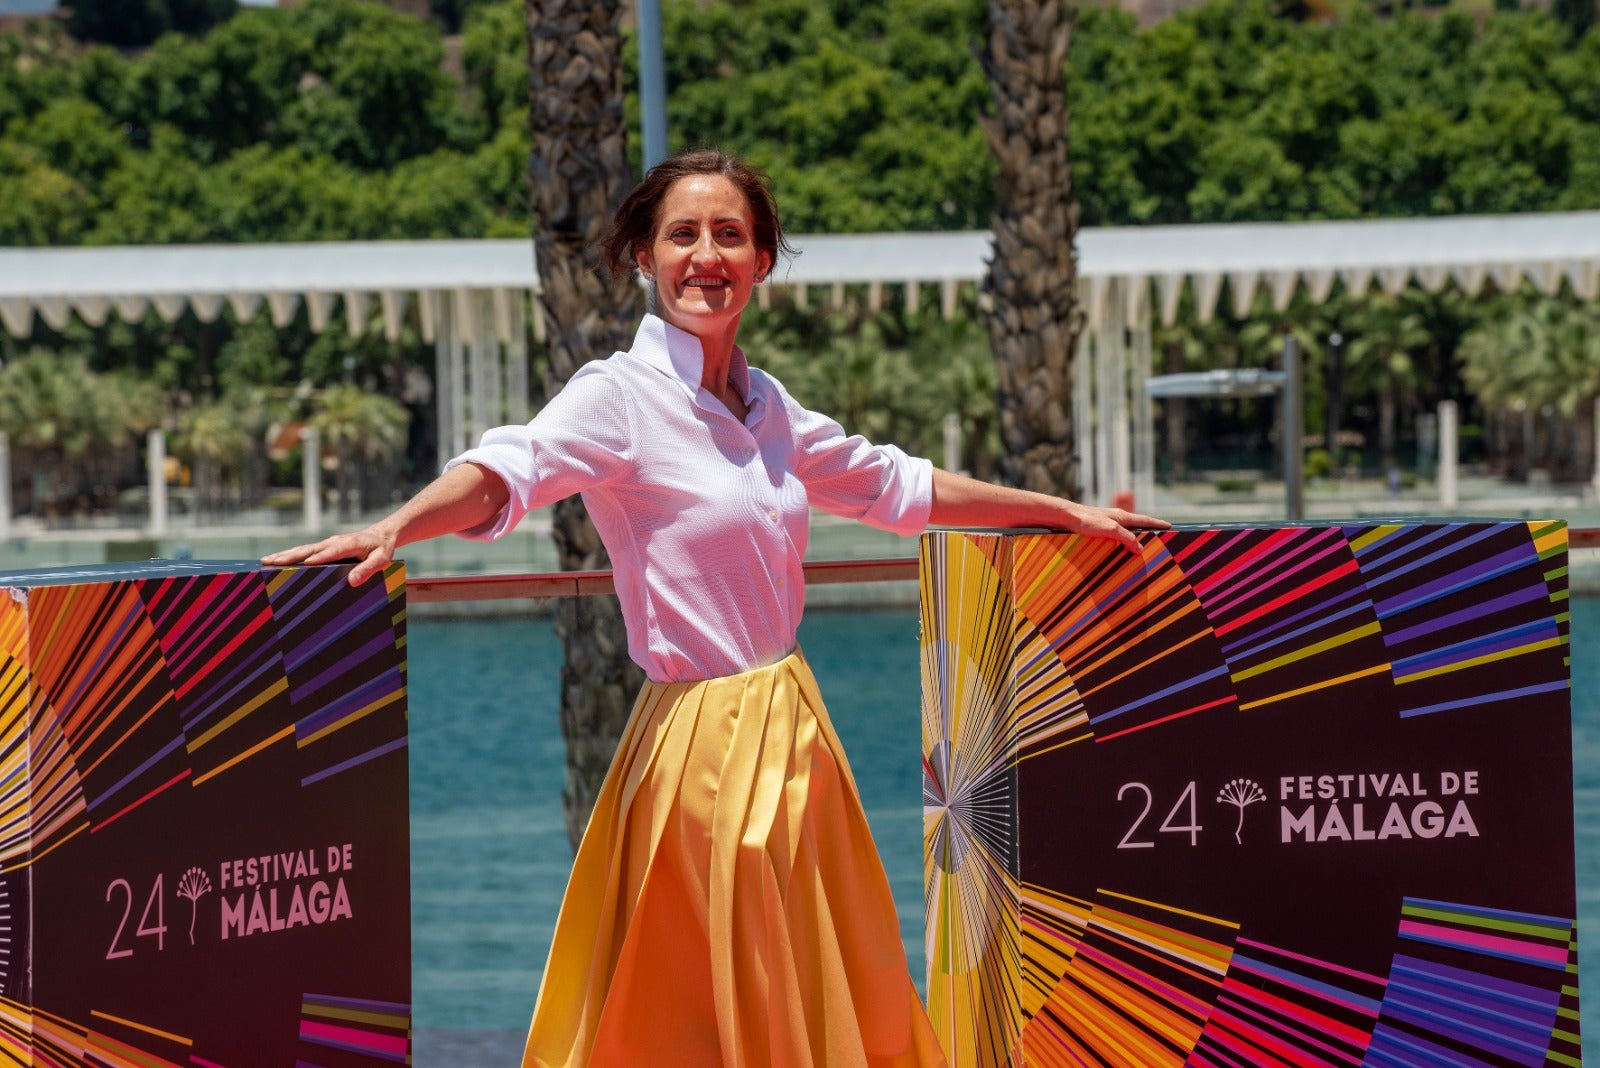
703,255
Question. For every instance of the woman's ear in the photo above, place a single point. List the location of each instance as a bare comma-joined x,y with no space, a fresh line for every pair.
646,268
763,266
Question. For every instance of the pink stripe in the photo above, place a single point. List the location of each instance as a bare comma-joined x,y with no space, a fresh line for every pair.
1303,1034
1514,947
1270,1044
1303,959
1162,991
203,1062
352,1037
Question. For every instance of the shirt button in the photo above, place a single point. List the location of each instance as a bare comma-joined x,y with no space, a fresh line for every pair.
772,514
749,454
780,580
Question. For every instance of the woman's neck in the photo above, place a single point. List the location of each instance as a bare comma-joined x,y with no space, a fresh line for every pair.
716,354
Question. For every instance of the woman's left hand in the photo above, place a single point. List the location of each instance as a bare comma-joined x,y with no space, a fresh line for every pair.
959,501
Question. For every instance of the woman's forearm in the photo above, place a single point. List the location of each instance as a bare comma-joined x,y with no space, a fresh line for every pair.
464,497
959,501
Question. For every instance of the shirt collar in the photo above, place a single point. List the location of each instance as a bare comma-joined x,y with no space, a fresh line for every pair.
677,354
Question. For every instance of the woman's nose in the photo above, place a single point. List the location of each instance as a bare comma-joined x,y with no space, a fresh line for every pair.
705,249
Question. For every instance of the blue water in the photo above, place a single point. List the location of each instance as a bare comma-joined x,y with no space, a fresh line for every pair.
490,852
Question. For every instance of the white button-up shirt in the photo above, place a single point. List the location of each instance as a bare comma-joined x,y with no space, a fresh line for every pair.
705,518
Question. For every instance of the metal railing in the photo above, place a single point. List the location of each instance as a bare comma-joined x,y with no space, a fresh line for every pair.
587,583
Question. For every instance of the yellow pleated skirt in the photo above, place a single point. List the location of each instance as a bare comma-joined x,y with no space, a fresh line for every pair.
727,905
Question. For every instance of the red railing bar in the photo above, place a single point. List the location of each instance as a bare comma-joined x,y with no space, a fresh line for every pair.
823,573
584,583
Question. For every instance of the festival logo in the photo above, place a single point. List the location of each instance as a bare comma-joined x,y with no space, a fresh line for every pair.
1241,794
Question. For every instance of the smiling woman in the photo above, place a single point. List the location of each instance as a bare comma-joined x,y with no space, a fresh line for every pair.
727,902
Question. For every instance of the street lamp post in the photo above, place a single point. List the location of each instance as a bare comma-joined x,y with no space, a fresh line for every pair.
652,83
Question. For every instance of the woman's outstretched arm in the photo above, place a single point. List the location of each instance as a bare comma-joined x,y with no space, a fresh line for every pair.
465,496
959,501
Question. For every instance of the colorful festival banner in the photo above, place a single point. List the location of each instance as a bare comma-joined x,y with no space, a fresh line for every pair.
1253,796
204,857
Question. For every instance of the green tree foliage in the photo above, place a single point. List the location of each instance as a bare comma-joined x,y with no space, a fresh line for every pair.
134,23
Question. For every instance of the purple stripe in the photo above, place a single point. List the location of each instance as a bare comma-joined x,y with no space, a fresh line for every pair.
388,682
1514,638
1464,1027
323,597
349,619
1509,600
387,747
1388,1040
136,772
1389,551
198,711
1493,1002
1237,651
1205,676
357,1003
1556,923
303,583
1327,991
1462,979
1484,699
1388,566
343,666
1461,578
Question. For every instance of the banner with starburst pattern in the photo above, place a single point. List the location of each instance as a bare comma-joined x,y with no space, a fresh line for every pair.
1295,795
204,858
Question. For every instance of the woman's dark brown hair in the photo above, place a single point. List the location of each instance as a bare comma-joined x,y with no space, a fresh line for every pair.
635,222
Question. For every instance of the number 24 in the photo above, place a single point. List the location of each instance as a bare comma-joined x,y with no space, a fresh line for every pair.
1192,828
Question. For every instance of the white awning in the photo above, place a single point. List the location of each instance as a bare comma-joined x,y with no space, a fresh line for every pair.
1152,264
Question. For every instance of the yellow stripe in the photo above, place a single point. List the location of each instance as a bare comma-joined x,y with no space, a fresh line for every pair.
381,1019
1376,669
244,710
301,743
279,577
1478,661
1372,536
1169,908
168,1035
248,753
57,845
1310,650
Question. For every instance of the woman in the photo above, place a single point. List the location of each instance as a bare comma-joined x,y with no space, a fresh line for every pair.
726,905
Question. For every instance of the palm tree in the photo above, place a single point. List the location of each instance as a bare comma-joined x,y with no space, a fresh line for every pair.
1535,356
362,429
211,437
1036,320
578,170
1388,330
73,429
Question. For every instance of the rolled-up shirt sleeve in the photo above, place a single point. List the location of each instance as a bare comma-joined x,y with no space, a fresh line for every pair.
845,474
581,439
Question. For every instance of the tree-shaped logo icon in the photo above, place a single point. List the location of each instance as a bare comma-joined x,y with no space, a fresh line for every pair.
1241,794
194,883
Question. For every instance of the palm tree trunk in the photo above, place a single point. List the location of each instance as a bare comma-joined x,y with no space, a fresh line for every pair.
1035,321
578,174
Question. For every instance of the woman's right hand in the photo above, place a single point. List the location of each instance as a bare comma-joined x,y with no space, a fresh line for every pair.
372,550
